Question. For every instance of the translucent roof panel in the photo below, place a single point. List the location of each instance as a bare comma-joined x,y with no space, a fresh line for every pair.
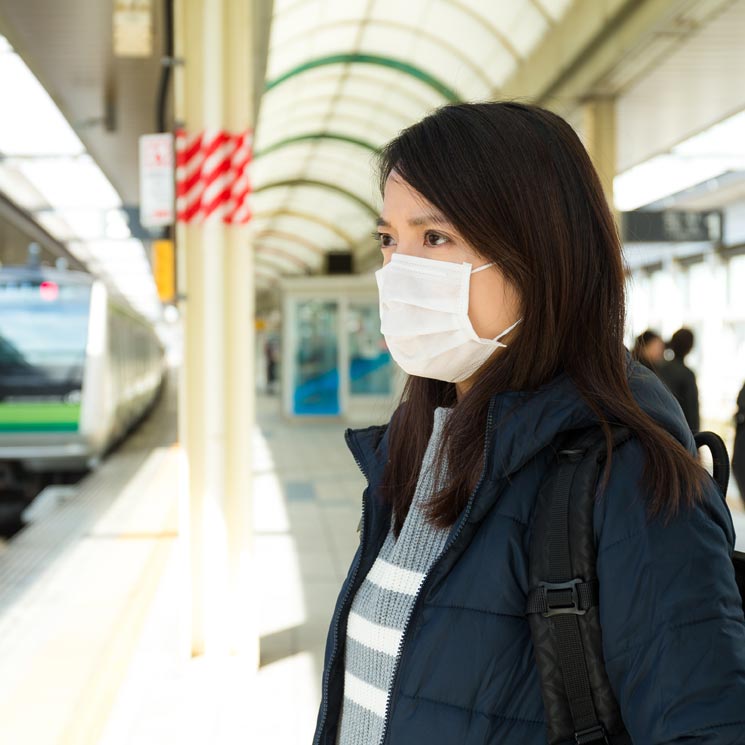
280,262
307,226
344,77
554,9
330,205
306,261
321,160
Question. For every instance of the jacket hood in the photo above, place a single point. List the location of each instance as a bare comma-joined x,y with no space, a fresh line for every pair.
527,421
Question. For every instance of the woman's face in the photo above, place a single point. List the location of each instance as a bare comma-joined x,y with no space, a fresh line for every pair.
654,350
412,226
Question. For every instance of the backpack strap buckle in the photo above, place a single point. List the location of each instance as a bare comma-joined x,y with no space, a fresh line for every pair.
561,598
594,734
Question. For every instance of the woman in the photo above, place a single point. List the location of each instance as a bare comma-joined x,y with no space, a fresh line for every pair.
680,379
738,449
502,296
649,349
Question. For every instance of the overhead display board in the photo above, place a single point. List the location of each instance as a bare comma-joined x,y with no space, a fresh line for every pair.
672,226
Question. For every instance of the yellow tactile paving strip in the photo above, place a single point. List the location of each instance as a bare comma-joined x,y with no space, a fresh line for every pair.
75,588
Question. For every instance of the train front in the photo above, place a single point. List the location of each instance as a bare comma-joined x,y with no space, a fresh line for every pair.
44,319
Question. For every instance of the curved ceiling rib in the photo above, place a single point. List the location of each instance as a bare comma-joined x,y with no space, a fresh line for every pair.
267,252
314,136
321,185
266,271
487,24
417,32
360,75
360,101
293,237
459,5
324,162
347,119
546,15
317,219
368,59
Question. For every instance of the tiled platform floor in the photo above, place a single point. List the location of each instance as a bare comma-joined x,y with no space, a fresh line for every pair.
307,500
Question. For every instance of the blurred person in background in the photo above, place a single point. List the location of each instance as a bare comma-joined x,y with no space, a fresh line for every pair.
502,296
738,451
649,349
679,378
271,353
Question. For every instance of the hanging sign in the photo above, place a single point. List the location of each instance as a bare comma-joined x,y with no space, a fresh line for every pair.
133,28
156,180
164,269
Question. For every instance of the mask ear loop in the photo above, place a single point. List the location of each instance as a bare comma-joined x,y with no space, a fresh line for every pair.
506,331
481,268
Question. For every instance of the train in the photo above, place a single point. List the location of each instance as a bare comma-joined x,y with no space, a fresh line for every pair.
78,369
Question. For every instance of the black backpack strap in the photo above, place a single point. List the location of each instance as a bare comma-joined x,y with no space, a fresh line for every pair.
720,474
720,457
562,605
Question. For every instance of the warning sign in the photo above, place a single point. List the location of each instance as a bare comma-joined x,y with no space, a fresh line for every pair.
156,180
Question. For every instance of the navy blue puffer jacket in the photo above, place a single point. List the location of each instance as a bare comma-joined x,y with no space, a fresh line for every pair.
672,620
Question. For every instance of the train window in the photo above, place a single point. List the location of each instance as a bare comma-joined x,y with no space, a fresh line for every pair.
43,332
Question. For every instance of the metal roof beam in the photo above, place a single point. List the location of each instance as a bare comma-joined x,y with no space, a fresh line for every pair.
417,32
321,185
317,219
293,238
315,137
589,41
369,59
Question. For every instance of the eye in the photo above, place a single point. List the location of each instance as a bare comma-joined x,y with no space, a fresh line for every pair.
434,240
384,239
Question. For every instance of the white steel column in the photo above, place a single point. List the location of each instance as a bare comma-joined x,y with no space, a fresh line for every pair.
214,90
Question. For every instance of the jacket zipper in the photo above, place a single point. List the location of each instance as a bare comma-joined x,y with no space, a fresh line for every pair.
350,584
419,592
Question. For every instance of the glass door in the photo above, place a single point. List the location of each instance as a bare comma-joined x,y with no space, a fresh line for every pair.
316,374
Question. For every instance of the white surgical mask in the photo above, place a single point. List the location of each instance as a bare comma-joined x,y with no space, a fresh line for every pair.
424,318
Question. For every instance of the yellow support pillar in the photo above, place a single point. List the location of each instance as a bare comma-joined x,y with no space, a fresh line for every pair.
599,130
214,91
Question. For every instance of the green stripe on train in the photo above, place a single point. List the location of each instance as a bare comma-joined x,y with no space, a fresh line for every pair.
39,417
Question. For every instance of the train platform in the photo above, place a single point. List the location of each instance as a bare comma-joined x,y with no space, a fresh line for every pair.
92,601
92,598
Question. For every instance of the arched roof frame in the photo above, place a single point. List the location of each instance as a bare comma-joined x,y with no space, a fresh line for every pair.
355,122
542,10
320,162
364,104
359,58
321,185
269,252
292,237
385,23
464,8
361,75
310,217
314,137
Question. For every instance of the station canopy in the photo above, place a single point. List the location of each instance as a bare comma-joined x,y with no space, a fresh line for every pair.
343,78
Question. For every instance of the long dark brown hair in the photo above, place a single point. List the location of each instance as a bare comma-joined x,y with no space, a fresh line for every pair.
517,184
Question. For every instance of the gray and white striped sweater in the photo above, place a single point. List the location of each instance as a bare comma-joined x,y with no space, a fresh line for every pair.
381,608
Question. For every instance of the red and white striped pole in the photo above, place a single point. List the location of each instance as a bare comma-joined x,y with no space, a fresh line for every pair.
212,176
214,99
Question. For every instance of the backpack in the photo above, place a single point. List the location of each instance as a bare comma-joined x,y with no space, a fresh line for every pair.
562,605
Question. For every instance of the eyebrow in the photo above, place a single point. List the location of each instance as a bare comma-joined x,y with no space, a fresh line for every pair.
430,218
